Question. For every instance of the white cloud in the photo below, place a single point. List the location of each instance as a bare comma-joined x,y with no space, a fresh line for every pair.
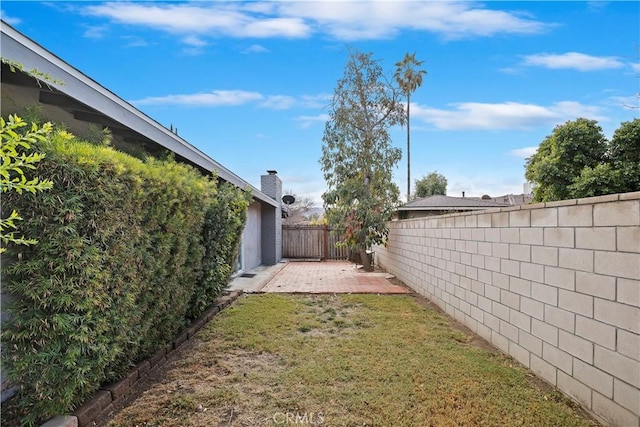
510,70
215,98
278,27
229,19
315,101
506,115
255,48
133,41
10,19
344,20
596,6
573,60
218,98
524,152
95,32
278,102
341,20
306,121
194,41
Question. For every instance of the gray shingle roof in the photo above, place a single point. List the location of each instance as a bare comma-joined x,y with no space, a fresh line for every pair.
439,202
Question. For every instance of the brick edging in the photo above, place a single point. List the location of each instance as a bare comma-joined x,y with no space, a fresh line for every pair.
107,398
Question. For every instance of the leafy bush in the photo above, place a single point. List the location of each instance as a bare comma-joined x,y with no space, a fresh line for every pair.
15,158
127,251
224,220
576,161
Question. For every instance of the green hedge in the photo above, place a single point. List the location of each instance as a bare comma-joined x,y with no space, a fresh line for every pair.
223,223
127,252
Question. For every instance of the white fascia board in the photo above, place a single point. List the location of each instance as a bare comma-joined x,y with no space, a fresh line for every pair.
19,48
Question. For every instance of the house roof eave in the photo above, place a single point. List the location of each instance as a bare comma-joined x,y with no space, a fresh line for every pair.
19,48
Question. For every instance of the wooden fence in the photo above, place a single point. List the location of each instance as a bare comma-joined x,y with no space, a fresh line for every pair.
311,241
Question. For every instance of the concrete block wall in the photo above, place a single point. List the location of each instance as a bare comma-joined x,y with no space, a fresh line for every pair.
554,285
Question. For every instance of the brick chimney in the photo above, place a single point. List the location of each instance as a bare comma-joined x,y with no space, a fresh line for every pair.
271,185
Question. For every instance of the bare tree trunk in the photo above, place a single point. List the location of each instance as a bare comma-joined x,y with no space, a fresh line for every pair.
408,149
365,259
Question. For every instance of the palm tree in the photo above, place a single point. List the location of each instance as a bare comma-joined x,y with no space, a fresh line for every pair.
409,78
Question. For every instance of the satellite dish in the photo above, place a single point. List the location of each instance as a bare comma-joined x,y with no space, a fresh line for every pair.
288,199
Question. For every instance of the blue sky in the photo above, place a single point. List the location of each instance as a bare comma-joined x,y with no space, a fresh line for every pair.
248,83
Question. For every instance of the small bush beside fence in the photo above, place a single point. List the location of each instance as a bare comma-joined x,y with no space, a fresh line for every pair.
128,251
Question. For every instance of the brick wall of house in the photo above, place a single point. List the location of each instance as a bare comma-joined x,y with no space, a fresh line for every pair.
554,285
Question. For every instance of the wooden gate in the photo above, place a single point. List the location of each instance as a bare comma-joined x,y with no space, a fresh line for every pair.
311,241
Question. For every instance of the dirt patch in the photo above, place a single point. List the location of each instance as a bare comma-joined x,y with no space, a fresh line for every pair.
330,315
233,387
202,388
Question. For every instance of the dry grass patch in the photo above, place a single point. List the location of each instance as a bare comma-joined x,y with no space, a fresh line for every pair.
347,360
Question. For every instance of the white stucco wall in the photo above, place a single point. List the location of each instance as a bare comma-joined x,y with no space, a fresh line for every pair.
252,238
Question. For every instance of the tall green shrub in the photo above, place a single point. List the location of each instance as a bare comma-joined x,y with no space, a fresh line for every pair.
224,221
121,255
16,157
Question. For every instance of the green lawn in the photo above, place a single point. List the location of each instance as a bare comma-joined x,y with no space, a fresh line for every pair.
346,360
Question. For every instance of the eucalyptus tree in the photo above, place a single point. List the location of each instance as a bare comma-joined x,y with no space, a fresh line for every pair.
358,157
409,78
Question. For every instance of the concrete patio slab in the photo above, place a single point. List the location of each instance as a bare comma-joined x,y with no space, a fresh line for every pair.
255,279
339,277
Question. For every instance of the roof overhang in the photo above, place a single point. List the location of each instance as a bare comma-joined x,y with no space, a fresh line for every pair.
112,109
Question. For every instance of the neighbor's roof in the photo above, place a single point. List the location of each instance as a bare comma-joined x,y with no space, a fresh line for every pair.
438,203
19,48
